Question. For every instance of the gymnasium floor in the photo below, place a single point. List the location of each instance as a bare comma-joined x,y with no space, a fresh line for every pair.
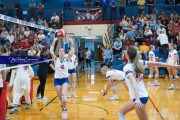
91,105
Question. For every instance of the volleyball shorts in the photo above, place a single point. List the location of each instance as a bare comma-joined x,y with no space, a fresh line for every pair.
143,100
60,82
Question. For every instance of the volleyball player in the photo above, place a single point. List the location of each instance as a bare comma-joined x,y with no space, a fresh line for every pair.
172,60
152,69
134,70
72,64
113,78
61,74
42,72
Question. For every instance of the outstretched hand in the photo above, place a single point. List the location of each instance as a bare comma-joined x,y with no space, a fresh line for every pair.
138,103
55,39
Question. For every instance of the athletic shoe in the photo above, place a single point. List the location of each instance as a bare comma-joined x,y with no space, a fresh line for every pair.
74,95
10,107
64,114
115,97
44,98
171,87
14,110
156,84
69,95
7,117
150,84
38,96
27,107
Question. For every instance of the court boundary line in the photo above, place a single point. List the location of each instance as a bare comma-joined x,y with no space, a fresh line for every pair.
48,103
156,108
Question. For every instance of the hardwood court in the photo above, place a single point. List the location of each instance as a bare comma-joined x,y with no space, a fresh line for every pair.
91,105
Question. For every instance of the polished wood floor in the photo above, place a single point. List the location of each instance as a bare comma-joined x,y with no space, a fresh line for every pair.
92,106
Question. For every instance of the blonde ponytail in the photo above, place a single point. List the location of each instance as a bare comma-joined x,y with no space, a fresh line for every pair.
138,67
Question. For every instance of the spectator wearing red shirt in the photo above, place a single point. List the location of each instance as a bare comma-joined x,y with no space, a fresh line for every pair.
127,42
16,45
31,38
25,45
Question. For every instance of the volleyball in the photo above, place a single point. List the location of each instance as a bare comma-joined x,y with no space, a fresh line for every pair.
61,33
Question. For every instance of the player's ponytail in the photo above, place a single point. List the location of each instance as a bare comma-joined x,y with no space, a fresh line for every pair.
134,57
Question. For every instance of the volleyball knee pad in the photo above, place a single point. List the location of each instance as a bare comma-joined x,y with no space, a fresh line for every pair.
73,85
121,116
157,75
70,85
113,87
176,77
150,76
64,98
170,76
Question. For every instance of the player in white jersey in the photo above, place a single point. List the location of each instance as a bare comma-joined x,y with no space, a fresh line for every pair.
113,77
172,60
134,70
61,74
72,64
152,58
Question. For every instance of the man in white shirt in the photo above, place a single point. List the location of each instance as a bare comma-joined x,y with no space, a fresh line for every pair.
163,39
56,17
10,37
41,36
88,58
32,51
161,29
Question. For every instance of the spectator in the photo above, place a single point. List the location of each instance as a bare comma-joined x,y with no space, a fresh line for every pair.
108,55
178,38
53,24
164,22
3,36
40,10
43,44
121,4
27,32
150,5
40,22
41,36
1,8
104,5
170,25
17,45
32,6
138,23
32,51
88,54
122,36
141,5
31,38
152,24
49,40
25,45
171,37
10,37
17,8
55,17
174,15
163,39
8,44
153,14
143,50
127,42
113,9
125,24
131,34
167,4
98,3
161,29
117,46
139,36
9,8
177,5
67,4
14,29
162,15
147,32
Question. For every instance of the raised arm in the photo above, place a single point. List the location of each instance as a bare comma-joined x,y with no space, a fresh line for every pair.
160,64
71,51
52,48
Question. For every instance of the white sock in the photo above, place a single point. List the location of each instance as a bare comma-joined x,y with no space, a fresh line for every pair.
11,104
172,85
121,116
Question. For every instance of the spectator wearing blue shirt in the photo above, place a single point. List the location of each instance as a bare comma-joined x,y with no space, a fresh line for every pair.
32,6
108,55
139,23
113,9
49,39
117,46
67,4
9,8
104,5
152,24
131,34
157,24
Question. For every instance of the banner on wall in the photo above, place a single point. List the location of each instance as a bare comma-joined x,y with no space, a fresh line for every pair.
87,14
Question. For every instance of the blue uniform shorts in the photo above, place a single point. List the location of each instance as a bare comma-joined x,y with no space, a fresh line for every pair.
60,82
72,71
143,100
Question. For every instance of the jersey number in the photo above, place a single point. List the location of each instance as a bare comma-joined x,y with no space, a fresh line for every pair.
62,67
